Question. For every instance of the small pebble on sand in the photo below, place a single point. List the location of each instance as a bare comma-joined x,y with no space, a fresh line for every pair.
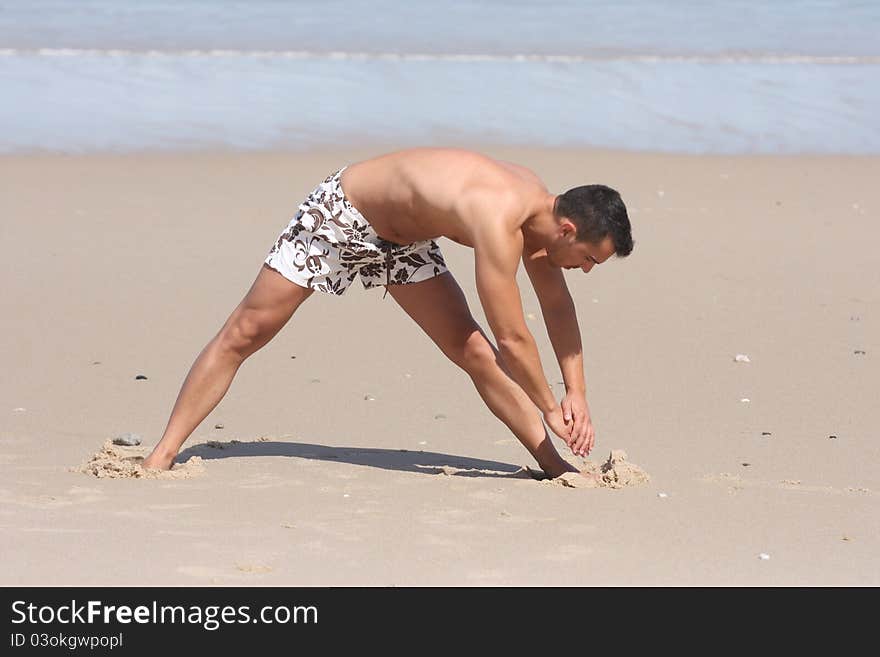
745,400
742,358
766,433
832,437
662,496
140,377
218,426
439,416
20,409
369,398
763,556
859,352
127,439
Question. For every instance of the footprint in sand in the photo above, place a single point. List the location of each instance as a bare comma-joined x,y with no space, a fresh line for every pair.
735,483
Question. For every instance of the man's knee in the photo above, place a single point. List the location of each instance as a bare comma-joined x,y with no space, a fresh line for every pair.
245,332
476,354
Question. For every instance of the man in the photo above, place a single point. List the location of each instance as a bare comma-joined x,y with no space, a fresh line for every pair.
379,219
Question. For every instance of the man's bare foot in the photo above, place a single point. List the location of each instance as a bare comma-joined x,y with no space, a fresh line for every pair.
558,469
587,477
579,479
158,461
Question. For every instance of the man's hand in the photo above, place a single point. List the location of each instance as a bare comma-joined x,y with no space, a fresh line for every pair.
576,414
557,424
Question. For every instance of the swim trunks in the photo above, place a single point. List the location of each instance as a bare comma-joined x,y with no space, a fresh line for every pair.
328,243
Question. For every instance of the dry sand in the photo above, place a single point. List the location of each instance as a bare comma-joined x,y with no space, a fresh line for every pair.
115,462
352,453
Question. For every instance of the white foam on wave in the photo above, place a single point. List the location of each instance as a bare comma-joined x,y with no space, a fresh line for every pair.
720,58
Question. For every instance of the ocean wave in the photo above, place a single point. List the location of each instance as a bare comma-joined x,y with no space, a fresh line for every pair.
639,58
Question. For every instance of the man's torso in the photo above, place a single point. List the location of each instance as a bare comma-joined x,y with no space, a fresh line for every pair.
425,193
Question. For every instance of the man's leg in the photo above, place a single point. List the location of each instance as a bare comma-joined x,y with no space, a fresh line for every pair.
439,306
268,305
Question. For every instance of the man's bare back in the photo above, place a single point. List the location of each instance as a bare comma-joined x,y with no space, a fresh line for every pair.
425,193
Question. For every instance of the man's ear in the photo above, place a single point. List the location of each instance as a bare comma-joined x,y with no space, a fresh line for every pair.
567,228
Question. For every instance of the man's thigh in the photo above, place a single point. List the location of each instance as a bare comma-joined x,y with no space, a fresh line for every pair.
266,308
440,308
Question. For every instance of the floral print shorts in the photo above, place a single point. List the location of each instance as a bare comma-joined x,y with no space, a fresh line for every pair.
328,243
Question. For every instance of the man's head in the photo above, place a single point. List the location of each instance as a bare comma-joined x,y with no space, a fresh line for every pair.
592,225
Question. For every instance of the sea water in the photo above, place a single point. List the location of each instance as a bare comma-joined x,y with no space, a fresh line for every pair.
744,76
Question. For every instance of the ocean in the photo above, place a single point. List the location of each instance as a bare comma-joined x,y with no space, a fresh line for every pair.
691,77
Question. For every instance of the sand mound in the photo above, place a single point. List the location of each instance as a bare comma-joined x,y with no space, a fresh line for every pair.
116,462
616,472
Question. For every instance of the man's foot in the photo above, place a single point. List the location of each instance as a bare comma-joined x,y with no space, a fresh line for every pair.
587,477
158,461
558,469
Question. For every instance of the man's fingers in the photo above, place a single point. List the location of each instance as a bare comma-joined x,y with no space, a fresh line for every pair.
566,411
564,432
583,443
582,436
578,446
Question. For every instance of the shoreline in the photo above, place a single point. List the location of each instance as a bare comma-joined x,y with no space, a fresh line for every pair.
388,146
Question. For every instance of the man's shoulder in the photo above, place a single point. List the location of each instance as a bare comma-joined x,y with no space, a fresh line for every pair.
528,177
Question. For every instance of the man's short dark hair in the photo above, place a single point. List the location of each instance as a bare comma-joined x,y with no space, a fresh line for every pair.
597,211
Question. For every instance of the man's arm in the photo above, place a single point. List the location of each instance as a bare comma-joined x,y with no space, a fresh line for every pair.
560,318
497,249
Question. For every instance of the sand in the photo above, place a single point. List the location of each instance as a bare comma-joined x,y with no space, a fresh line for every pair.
616,472
122,462
372,461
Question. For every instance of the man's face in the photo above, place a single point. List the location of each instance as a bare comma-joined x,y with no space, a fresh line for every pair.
567,252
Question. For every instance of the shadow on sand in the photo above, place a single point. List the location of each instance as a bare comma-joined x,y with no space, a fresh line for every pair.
390,459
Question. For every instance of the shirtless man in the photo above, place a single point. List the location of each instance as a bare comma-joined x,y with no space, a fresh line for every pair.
382,227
